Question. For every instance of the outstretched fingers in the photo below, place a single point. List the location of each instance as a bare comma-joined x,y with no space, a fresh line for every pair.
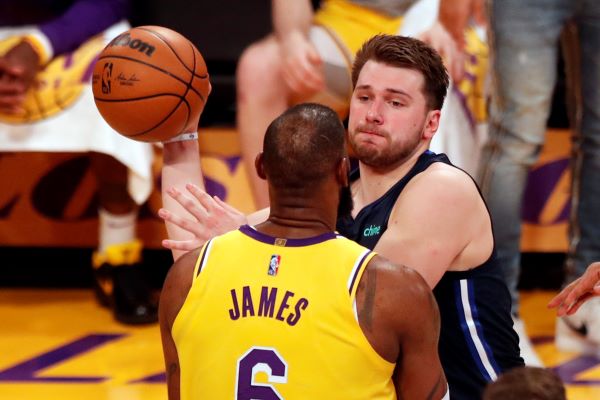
190,205
220,217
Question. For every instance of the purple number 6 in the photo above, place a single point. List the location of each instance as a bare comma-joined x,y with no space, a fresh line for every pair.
260,359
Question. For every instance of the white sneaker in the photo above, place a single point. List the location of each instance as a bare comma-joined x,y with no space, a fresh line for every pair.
580,332
527,352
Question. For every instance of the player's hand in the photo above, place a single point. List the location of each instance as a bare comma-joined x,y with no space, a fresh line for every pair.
301,65
577,292
192,125
18,69
441,41
212,217
455,16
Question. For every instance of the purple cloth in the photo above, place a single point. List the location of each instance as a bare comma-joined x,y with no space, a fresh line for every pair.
67,24
84,19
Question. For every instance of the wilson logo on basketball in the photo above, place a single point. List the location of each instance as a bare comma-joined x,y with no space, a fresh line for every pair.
136,44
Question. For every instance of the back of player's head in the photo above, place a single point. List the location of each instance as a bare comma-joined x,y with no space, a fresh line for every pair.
411,53
303,146
529,383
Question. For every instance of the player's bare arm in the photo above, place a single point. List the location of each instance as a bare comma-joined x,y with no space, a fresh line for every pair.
175,289
439,223
399,316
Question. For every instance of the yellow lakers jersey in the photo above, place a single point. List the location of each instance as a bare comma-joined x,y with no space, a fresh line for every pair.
272,318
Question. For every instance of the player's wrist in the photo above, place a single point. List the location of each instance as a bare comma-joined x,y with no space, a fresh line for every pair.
183,137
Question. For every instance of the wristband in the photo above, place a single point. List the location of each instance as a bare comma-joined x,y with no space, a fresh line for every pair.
183,137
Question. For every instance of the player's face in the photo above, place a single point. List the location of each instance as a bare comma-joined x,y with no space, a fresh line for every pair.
388,112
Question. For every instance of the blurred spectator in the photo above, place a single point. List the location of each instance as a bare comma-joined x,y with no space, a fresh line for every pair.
309,57
47,51
525,39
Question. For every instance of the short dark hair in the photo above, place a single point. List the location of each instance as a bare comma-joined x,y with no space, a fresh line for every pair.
411,53
531,383
303,145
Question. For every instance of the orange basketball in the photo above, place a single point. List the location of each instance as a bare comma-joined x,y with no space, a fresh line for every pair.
149,83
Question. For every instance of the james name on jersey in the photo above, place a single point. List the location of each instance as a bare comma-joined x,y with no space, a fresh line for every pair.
269,304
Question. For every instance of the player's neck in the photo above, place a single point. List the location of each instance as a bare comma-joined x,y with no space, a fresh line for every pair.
296,224
375,182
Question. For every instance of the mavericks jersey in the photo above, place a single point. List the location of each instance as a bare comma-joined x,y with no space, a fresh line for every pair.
477,341
272,318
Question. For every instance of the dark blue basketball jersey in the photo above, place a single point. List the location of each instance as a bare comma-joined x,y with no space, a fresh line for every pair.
477,341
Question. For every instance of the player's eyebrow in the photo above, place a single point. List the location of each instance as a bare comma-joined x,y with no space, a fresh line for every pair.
399,92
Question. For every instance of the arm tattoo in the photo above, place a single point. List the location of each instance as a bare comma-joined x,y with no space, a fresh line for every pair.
366,311
172,370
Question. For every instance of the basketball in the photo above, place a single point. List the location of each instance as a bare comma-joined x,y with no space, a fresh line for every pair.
149,83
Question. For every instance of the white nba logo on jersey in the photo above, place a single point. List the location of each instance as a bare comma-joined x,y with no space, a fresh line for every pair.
274,265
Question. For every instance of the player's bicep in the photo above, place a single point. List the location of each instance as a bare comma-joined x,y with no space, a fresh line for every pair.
405,246
175,289
171,361
420,374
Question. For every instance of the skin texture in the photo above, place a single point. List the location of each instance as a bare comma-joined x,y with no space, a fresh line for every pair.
285,69
387,294
568,301
18,68
388,113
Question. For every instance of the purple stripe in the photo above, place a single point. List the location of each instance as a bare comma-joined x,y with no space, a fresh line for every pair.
203,256
469,76
84,19
463,101
360,265
27,371
569,371
156,378
262,237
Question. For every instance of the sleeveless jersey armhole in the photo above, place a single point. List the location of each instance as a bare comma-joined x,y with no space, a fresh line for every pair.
202,257
357,271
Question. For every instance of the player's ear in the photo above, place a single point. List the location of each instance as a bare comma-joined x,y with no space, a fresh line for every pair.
431,123
343,171
258,164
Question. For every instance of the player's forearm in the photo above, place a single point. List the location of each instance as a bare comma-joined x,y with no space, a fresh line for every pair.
181,165
291,16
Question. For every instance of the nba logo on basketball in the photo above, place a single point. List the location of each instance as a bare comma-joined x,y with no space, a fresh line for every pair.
106,74
274,265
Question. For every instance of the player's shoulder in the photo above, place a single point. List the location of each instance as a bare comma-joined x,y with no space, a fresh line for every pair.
180,274
403,282
443,182
177,285
443,173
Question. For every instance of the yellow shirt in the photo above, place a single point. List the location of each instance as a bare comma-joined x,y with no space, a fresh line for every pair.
270,318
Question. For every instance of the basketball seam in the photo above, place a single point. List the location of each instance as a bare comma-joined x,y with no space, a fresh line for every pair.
164,119
137,98
155,67
149,97
158,35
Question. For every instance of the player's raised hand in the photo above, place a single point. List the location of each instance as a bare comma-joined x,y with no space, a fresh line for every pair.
442,42
577,292
212,217
301,65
